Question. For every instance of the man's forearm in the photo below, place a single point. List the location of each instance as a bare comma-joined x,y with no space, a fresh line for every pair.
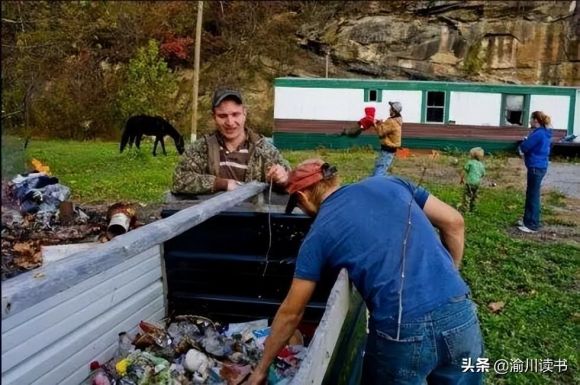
454,242
192,183
282,329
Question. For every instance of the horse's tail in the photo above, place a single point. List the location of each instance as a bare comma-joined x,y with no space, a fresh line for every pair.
126,135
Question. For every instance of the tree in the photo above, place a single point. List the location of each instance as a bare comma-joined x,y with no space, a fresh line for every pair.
149,85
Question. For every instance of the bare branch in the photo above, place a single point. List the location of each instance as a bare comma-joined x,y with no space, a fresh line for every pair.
11,114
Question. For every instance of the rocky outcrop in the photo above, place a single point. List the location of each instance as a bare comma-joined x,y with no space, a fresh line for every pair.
522,42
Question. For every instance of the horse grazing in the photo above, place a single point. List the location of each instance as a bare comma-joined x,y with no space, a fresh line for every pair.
140,125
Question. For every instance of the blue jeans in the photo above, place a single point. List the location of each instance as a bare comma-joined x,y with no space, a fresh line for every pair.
383,163
533,205
430,350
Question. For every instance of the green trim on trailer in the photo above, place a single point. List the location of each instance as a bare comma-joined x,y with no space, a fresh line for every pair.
525,112
423,106
368,95
572,113
502,109
308,141
446,103
446,107
422,85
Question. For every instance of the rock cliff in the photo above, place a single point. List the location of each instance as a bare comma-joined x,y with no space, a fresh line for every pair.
521,42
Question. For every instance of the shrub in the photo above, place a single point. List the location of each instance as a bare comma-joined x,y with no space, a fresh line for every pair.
149,86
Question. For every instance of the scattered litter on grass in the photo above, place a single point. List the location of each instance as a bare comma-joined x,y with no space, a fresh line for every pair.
496,307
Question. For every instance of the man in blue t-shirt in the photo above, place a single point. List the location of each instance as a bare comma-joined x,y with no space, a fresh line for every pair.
423,326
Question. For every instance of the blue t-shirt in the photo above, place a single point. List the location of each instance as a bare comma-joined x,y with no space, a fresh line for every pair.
361,227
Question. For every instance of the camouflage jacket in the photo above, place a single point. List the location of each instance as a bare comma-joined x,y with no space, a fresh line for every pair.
198,167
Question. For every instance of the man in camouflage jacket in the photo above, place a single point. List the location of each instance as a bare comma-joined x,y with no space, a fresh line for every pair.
230,156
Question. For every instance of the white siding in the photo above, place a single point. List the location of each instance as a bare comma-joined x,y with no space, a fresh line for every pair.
411,101
476,108
54,341
319,103
340,104
556,106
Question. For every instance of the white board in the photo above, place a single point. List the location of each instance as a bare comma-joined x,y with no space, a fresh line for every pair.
411,101
475,108
341,104
319,103
556,106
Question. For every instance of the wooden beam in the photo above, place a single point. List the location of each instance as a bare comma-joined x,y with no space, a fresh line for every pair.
30,288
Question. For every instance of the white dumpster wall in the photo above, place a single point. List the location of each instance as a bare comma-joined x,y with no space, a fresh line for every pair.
54,341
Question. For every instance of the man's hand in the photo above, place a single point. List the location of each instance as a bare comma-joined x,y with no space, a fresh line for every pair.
278,175
284,325
233,184
257,378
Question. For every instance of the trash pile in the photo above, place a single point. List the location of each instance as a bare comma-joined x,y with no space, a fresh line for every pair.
195,350
38,193
36,212
30,206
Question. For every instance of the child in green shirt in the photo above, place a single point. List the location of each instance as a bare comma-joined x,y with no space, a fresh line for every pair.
473,172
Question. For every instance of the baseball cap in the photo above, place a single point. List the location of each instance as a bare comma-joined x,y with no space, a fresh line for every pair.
221,94
305,175
397,106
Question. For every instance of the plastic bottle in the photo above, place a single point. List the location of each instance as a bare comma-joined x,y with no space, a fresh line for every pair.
98,374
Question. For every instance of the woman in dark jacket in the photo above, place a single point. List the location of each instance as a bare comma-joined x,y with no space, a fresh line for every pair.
535,150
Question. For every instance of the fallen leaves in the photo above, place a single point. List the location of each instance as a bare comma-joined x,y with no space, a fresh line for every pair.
27,255
23,237
496,307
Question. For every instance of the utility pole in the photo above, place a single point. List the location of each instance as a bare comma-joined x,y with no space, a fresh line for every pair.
327,62
196,70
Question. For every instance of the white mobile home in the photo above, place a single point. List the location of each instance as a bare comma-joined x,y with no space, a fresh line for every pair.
309,112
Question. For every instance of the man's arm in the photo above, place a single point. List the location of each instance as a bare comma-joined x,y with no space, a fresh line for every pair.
385,128
276,168
271,156
189,176
285,322
450,224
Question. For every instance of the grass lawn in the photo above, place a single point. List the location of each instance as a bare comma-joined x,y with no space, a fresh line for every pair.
537,281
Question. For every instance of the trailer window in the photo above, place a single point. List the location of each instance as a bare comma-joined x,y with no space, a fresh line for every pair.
513,112
373,95
435,107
